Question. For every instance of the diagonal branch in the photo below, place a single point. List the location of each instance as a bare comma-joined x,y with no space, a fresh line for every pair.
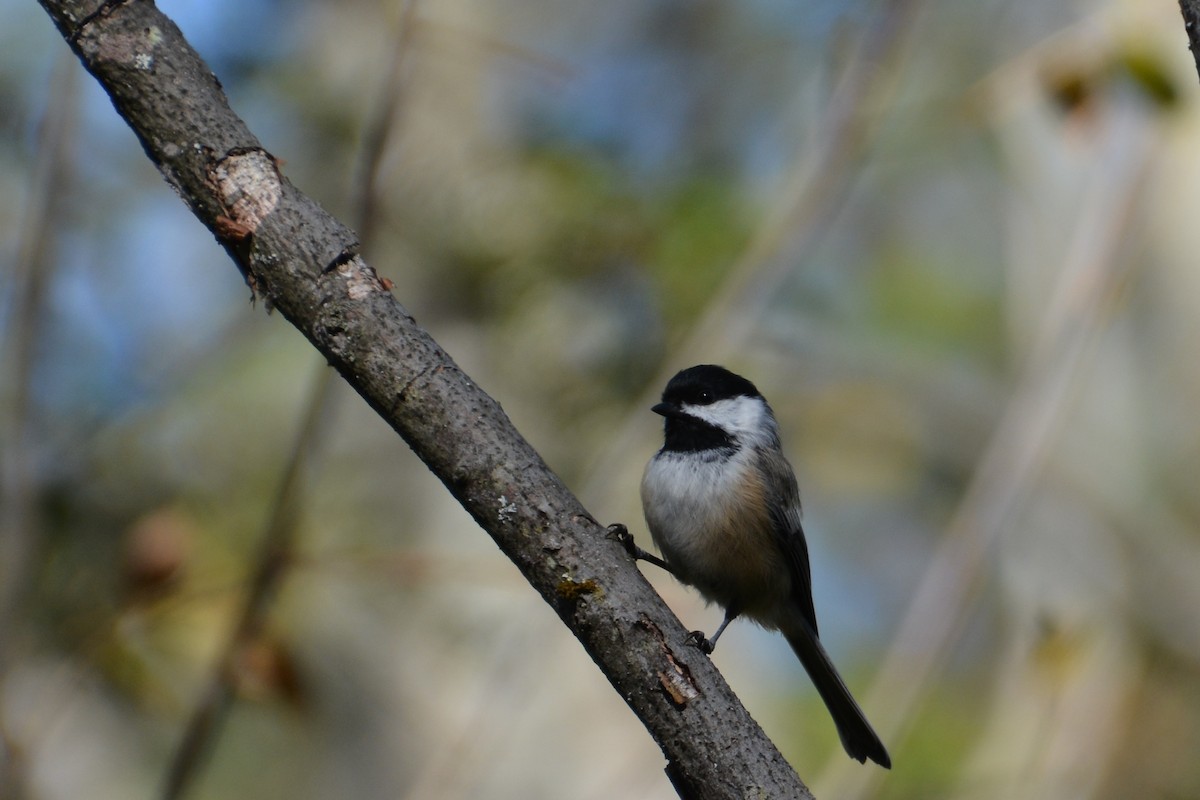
1191,24
306,264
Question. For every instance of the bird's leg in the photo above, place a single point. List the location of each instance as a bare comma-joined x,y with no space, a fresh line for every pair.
625,538
695,638
706,646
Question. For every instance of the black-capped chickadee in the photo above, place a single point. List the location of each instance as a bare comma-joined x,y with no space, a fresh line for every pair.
723,507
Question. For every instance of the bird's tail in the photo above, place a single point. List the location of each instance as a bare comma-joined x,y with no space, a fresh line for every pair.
856,733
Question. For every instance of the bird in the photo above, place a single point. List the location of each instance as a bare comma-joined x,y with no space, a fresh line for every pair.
723,507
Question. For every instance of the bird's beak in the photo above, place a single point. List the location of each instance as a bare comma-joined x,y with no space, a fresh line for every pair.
667,410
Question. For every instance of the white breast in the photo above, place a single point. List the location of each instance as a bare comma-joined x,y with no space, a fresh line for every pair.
709,518
681,494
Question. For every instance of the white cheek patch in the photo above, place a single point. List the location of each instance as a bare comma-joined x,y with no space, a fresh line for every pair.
740,416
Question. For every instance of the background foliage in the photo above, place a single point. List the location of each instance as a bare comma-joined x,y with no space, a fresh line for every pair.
950,242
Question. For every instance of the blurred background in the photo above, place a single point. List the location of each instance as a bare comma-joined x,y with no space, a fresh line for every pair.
950,242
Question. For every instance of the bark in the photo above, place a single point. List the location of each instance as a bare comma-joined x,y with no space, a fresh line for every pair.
305,264
1191,23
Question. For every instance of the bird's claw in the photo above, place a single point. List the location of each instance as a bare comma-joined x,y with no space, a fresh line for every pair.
621,534
698,640
625,538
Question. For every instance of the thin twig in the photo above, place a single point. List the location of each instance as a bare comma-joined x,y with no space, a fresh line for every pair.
384,120
30,275
205,722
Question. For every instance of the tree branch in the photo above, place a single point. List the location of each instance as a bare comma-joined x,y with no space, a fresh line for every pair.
1191,23
306,264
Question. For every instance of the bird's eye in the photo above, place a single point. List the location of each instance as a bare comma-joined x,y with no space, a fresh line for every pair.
705,398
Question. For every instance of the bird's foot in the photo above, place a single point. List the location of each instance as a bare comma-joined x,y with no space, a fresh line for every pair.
622,535
619,533
701,642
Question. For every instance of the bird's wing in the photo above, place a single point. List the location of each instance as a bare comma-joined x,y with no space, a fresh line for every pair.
789,534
